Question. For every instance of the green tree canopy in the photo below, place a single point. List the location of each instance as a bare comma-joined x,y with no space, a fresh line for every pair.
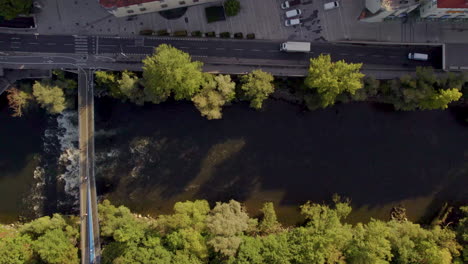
12,8
171,71
49,97
269,223
232,7
187,214
257,86
215,93
226,223
18,101
330,79
55,247
14,247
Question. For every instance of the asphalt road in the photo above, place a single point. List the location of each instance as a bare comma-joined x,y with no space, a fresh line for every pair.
386,55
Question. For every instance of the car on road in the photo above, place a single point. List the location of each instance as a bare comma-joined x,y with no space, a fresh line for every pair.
292,22
331,5
293,13
288,4
418,56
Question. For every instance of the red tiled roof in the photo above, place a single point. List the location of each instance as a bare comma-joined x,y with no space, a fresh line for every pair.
452,3
122,3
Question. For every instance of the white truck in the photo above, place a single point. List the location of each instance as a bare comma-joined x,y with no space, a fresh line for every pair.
292,46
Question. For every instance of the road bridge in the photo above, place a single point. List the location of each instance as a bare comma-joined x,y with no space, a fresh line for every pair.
220,50
90,242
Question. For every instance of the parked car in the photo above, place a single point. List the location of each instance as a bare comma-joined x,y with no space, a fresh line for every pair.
292,22
293,13
418,56
331,5
288,4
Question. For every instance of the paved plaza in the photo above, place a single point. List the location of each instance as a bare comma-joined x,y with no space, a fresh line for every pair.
264,18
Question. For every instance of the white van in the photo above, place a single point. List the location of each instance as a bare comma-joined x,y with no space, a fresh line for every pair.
418,56
292,22
293,13
331,5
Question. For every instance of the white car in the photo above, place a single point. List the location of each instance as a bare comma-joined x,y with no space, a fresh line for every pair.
293,13
331,5
418,56
292,22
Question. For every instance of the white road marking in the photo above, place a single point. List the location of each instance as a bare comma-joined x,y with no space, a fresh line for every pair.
344,54
238,49
255,50
33,43
220,48
203,48
184,47
51,44
273,51
69,44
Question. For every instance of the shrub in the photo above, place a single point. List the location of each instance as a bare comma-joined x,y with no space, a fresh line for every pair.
225,35
250,36
163,32
232,7
210,34
146,32
180,33
238,35
197,33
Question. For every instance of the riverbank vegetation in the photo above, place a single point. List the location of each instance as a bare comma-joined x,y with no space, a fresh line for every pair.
197,233
171,73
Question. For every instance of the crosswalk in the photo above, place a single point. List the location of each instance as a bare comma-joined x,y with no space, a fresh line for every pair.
81,44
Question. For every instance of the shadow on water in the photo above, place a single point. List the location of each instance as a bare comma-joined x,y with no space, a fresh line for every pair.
20,142
378,158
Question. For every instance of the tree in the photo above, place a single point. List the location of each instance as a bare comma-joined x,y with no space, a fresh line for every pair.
49,97
462,232
269,223
216,92
170,70
189,241
413,244
330,79
257,86
55,247
370,244
232,7
108,81
187,214
14,248
12,8
120,224
18,101
129,88
226,223
440,99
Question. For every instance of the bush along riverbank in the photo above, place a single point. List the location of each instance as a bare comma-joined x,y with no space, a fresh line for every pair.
199,233
171,73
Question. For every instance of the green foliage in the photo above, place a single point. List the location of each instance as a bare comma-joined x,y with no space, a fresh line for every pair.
120,224
12,8
14,248
194,234
186,215
269,223
420,92
130,88
19,101
171,71
216,92
330,79
49,97
108,81
226,223
232,7
257,86
55,247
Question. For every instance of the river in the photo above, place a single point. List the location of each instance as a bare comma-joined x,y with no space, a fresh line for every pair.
150,157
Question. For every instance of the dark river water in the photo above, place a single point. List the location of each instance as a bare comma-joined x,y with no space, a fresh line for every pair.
150,157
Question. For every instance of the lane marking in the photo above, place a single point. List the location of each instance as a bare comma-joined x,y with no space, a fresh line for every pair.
255,50
344,54
33,43
273,51
14,42
51,44
220,48
184,47
239,49
203,48
69,44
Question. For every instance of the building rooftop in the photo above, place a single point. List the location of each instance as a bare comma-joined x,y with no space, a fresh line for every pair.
452,3
122,3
